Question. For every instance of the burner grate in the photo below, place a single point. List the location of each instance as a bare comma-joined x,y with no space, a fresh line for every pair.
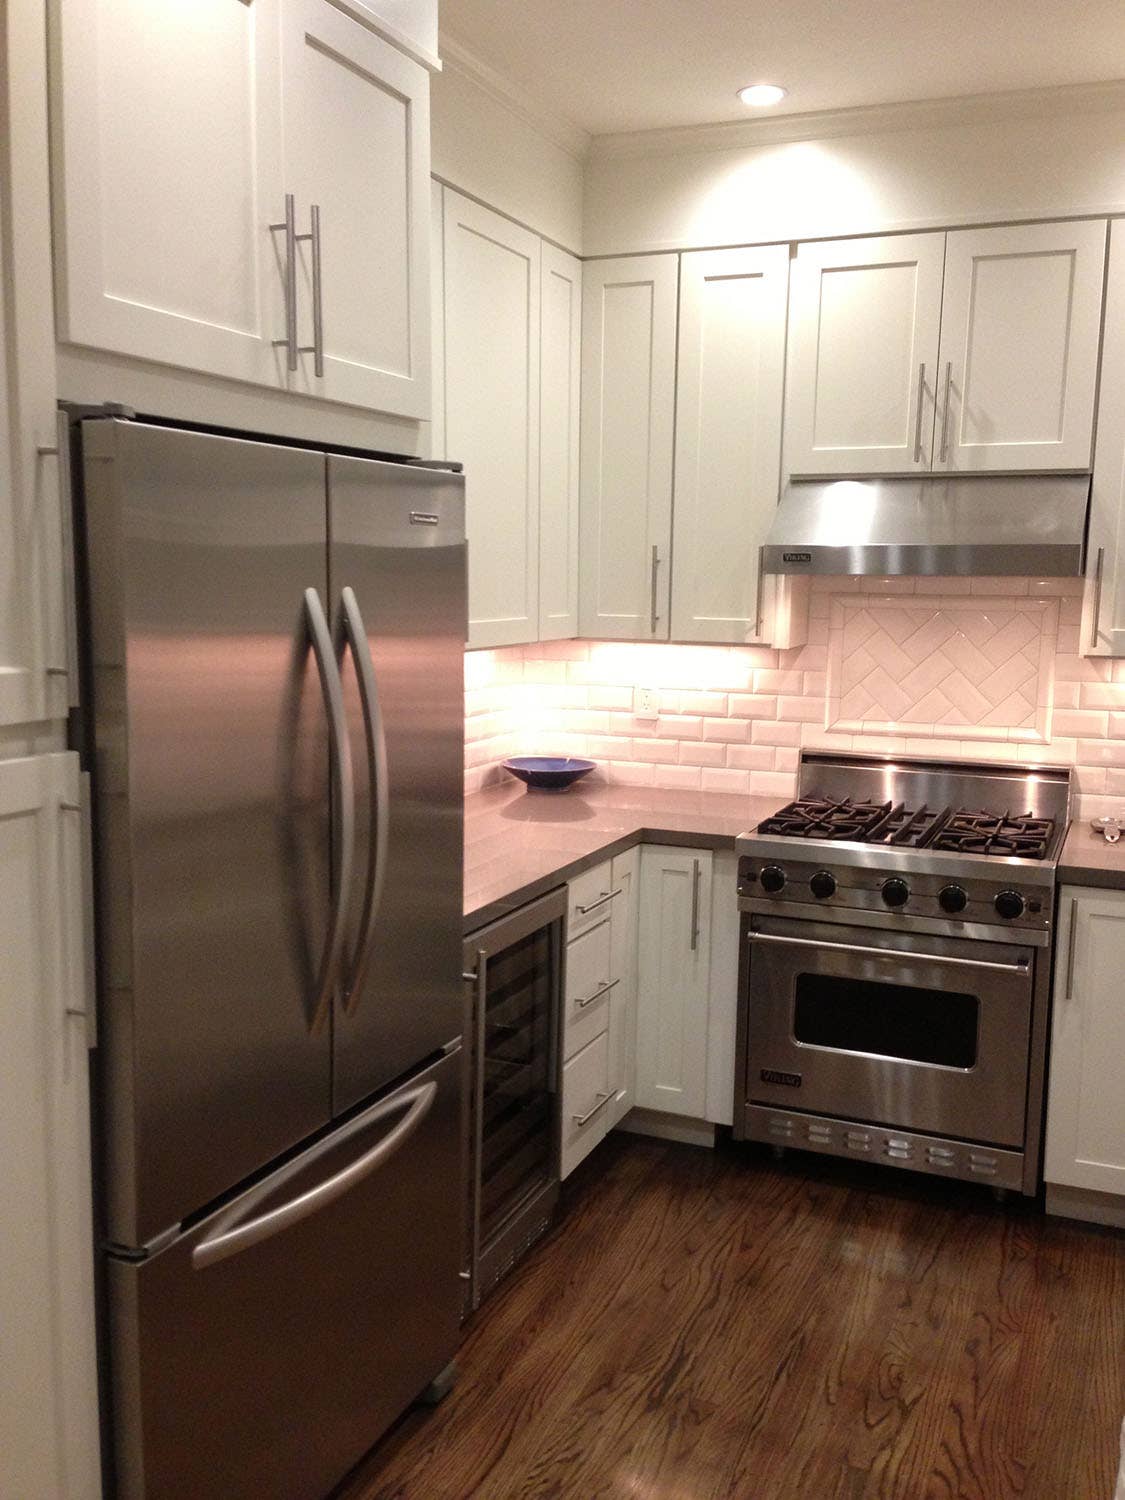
960,831
1022,836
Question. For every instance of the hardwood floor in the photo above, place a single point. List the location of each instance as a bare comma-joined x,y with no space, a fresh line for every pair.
717,1326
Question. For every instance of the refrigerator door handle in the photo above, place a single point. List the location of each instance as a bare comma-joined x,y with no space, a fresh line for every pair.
234,1233
343,804
353,634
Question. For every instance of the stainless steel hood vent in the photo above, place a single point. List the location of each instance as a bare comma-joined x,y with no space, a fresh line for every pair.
987,524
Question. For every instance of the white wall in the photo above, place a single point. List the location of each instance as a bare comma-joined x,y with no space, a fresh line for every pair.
487,144
1059,155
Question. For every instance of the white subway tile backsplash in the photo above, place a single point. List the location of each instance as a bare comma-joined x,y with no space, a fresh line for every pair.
726,729
771,732
726,780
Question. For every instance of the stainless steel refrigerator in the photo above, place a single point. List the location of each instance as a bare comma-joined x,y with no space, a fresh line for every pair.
273,715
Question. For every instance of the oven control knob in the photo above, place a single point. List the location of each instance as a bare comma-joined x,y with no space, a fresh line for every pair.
773,879
1009,904
952,898
895,892
823,884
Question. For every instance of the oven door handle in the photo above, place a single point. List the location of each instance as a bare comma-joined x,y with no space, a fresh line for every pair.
1021,965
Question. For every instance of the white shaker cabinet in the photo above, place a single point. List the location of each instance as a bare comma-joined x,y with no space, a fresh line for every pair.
48,1378
628,421
1085,1141
1103,623
560,374
865,318
492,341
729,385
673,979
1020,322
625,880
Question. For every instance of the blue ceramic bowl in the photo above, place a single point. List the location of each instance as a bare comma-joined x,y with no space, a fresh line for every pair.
552,772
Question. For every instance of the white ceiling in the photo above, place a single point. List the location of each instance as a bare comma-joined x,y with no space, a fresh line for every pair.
611,65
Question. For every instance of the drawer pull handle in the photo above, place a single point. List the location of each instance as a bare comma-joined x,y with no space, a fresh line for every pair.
603,989
605,896
602,1101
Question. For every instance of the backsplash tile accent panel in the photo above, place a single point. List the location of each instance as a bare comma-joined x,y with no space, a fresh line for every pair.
943,666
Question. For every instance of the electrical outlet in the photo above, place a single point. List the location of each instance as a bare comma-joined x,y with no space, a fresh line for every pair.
646,703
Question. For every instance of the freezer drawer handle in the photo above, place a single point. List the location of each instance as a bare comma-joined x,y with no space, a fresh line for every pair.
343,803
1019,967
352,633
230,1236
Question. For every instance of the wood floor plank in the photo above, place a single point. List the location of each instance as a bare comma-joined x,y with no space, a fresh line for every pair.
717,1326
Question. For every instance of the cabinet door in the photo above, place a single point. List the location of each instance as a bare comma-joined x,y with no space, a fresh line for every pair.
864,323
585,1097
48,1378
628,418
560,358
168,173
1086,1109
722,1004
673,973
1020,320
623,1000
357,149
492,413
730,377
1103,622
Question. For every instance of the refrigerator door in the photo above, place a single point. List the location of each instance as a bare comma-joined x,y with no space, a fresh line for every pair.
397,583
211,773
265,1351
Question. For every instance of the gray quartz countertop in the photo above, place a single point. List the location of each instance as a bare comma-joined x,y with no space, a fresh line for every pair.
520,844
1087,859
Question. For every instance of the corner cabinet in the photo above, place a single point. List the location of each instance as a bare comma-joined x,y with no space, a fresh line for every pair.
628,425
971,351
48,1376
1085,1140
1103,621
289,246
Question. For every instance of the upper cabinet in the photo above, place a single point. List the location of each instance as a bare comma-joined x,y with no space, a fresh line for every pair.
972,351
729,382
492,341
1103,624
628,422
560,373
865,323
241,190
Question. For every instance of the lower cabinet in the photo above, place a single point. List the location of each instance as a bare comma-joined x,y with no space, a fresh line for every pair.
1086,1105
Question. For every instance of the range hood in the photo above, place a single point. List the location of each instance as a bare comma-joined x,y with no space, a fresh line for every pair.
985,523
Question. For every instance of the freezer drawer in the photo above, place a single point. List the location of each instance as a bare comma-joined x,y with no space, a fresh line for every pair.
248,1367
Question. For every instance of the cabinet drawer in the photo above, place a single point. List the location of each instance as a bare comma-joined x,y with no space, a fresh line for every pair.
589,898
585,1097
589,979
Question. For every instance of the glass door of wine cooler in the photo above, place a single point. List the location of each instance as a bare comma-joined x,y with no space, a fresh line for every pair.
514,968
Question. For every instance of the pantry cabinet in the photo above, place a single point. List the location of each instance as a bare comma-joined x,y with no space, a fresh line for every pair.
241,190
673,979
628,426
971,351
492,345
1085,1141
1103,622
48,1375
730,377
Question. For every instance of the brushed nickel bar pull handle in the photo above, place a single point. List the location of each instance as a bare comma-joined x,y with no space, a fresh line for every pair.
1099,571
603,989
602,1101
696,872
605,896
652,586
945,413
761,586
476,1166
289,225
316,348
1019,967
61,450
918,418
1072,944
88,1010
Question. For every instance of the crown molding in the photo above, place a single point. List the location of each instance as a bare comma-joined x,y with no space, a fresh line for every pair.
556,128
873,119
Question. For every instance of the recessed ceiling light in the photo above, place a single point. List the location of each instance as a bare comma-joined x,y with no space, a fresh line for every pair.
759,95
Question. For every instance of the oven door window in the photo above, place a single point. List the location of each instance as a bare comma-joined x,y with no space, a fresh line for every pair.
939,1027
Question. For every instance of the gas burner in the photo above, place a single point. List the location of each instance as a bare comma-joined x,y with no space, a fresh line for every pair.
999,835
857,822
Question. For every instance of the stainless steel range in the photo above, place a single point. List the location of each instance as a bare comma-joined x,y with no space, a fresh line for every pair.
896,934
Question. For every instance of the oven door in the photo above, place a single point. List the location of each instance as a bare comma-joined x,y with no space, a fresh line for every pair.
918,1032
